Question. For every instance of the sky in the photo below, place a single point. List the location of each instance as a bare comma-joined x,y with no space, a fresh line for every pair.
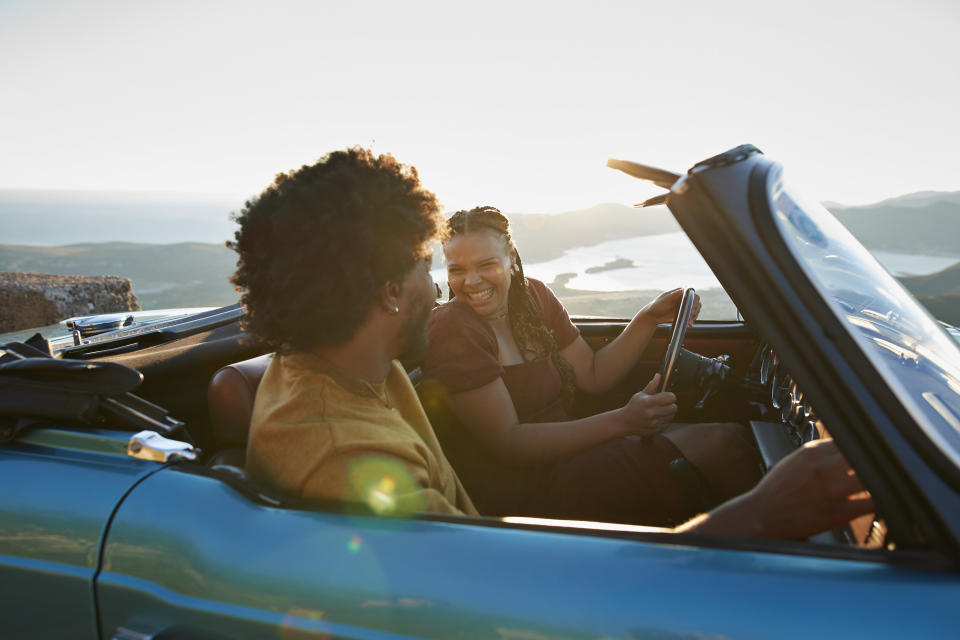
515,104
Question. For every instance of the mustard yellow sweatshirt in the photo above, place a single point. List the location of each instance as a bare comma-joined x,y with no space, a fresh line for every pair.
313,437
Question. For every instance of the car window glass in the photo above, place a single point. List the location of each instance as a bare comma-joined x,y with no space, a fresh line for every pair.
917,358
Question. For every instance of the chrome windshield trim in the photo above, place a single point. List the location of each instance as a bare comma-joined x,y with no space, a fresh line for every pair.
181,324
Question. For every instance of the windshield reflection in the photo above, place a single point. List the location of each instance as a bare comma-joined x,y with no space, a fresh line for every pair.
911,350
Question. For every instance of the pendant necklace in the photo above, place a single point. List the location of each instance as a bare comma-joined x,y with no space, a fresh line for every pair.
352,383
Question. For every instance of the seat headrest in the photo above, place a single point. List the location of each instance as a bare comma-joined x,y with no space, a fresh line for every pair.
230,397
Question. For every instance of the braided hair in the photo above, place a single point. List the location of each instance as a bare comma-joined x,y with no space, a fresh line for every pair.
533,338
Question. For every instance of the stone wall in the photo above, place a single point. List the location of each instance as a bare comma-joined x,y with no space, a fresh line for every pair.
35,300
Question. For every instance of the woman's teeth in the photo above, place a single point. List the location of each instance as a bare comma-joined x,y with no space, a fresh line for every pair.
480,296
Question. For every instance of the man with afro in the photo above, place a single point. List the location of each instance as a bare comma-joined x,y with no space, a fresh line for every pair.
334,266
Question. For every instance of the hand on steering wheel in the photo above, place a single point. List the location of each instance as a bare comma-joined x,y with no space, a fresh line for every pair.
683,319
664,307
648,411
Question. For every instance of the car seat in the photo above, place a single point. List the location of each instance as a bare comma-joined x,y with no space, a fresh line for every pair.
230,397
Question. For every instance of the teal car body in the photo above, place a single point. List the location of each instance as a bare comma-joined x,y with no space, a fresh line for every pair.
107,535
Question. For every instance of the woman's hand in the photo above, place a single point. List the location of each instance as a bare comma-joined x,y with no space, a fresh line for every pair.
664,307
647,413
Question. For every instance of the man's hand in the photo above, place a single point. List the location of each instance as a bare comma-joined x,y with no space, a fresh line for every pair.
664,307
648,412
811,490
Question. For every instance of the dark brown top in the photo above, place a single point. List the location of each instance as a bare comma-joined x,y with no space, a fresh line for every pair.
621,480
463,355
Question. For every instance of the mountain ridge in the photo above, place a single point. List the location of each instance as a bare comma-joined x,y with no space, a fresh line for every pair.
192,272
930,227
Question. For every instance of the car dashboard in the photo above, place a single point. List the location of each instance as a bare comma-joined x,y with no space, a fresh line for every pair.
789,421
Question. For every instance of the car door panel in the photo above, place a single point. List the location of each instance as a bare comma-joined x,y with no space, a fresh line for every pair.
57,502
189,554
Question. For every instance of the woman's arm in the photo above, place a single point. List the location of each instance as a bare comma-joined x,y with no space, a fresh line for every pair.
488,413
597,371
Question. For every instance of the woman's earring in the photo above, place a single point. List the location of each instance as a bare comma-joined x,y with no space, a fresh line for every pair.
395,310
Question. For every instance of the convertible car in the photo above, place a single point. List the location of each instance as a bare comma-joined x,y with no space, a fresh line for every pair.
127,513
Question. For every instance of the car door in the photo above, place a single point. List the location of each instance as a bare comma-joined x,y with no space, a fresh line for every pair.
61,486
189,556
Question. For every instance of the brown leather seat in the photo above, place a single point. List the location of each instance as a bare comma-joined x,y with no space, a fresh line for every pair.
230,397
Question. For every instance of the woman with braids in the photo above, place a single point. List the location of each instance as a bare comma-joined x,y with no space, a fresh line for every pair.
509,362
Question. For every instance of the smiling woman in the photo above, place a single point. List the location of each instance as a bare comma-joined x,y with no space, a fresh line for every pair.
480,274
510,363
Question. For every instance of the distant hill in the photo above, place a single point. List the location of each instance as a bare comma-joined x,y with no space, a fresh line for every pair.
945,307
945,281
194,273
918,198
174,275
170,274
56,218
583,228
939,292
925,223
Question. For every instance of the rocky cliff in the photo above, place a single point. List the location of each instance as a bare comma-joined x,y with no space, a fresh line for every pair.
36,299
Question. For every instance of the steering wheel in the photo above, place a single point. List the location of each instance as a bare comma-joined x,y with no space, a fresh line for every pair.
676,338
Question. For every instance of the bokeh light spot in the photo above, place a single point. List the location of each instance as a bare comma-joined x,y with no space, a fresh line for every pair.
386,486
355,544
381,496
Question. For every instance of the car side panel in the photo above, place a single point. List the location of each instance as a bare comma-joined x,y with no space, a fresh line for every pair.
53,510
189,555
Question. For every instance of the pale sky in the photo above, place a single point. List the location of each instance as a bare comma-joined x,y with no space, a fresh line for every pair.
515,104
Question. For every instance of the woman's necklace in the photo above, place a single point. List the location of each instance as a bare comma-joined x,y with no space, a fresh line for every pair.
494,318
352,383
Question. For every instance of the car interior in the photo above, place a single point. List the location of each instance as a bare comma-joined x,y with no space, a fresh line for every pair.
208,380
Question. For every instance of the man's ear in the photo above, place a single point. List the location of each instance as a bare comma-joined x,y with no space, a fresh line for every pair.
390,297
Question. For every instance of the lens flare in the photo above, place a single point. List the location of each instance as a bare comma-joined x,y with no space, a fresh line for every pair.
381,496
386,485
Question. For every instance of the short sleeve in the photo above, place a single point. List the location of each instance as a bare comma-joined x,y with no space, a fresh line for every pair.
555,316
463,350
390,486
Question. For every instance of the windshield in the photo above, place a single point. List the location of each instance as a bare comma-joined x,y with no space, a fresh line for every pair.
915,355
